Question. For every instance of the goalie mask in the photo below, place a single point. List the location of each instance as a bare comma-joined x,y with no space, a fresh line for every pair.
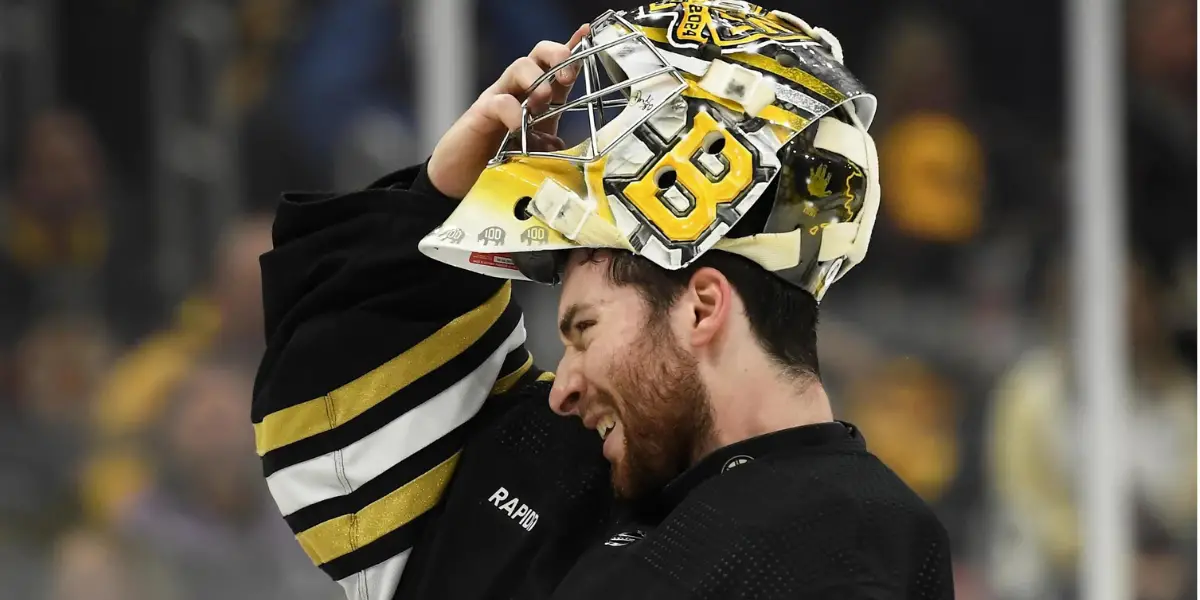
714,104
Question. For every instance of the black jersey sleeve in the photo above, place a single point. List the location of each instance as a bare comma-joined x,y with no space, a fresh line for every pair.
377,360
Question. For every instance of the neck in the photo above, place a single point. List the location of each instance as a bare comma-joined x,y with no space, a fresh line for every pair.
757,406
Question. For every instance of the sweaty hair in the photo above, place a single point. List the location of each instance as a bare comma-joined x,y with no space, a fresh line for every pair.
782,317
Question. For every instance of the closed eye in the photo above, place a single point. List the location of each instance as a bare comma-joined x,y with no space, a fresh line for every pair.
582,326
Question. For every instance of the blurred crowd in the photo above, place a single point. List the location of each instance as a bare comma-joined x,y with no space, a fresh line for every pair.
127,468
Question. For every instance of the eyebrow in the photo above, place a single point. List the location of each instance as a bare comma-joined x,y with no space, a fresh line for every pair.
568,318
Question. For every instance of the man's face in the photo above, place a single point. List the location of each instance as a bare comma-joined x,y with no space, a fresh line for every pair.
626,375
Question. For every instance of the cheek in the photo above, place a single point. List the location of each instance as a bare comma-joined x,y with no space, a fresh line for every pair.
606,361
597,364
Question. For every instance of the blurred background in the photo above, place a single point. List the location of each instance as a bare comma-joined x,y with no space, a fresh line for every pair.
143,144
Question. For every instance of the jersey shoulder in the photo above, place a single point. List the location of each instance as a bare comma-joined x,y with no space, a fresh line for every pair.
777,528
847,488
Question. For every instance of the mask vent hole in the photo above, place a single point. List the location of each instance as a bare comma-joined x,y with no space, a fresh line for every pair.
521,210
714,142
665,178
787,59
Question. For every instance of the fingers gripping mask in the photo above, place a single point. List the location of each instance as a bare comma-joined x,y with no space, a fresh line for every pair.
710,125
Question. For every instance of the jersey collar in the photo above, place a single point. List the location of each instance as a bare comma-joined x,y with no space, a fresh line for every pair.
835,434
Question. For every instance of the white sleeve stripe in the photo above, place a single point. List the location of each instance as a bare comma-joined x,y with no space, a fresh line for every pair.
378,582
318,479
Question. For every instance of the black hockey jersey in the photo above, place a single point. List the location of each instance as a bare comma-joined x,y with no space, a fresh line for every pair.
407,439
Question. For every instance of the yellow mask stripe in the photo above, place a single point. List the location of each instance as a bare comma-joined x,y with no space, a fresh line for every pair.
802,77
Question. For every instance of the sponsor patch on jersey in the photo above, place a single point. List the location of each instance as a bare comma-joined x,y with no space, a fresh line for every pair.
625,538
512,506
736,461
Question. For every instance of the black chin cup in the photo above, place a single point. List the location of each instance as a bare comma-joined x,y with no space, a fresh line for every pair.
545,266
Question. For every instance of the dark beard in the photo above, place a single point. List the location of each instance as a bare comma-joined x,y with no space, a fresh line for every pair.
664,411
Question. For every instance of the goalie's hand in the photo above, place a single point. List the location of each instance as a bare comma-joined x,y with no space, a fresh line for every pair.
465,149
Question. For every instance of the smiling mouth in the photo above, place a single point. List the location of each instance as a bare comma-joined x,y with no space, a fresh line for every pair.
605,426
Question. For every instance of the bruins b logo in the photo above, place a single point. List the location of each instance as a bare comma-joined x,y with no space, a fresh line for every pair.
681,192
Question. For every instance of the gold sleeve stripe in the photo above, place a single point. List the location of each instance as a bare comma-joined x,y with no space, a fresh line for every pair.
808,80
547,376
342,535
322,414
508,381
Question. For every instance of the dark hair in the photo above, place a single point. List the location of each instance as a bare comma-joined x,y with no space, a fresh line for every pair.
783,317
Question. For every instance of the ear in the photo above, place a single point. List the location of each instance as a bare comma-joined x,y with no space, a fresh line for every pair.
711,301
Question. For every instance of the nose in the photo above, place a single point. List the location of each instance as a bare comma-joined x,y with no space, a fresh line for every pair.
567,389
